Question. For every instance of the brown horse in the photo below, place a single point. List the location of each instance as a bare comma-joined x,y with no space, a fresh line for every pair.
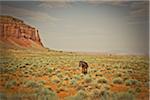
84,66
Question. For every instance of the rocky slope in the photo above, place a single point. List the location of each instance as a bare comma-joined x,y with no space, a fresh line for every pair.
15,32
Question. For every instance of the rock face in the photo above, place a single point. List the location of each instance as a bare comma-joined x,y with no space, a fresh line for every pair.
15,31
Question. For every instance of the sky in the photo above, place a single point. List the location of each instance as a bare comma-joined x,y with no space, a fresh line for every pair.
88,25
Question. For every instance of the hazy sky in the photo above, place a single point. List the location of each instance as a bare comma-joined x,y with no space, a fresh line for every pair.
100,26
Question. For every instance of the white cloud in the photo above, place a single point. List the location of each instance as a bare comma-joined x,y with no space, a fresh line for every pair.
55,4
138,12
139,9
108,2
21,12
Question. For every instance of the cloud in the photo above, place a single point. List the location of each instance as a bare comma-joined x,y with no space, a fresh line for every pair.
55,4
139,12
108,2
139,9
22,12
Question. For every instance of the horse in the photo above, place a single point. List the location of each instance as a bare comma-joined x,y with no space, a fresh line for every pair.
84,66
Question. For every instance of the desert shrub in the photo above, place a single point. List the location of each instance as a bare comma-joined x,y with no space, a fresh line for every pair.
50,70
130,82
118,80
116,66
95,94
99,75
88,79
146,84
60,75
104,95
81,95
135,82
66,78
10,84
118,75
3,96
80,87
126,77
105,86
21,96
73,82
94,70
77,77
57,71
7,69
99,94
108,68
41,82
138,89
131,91
44,91
130,71
61,89
46,94
102,80
98,86
56,80
32,84
123,96
66,72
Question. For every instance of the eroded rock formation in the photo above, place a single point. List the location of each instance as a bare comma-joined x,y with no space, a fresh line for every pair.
16,30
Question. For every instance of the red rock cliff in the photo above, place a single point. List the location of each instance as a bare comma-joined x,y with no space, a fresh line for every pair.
16,31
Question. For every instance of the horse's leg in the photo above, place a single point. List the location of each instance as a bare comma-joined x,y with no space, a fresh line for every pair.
82,70
86,70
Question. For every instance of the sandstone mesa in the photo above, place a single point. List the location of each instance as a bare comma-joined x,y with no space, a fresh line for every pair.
14,31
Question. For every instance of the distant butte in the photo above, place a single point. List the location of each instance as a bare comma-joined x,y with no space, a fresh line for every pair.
15,32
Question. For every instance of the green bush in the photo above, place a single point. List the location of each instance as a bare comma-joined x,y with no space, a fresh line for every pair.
55,80
60,75
77,77
73,82
81,95
131,91
46,94
138,89
3,96
99,75
130,82
88,79
118,80
123,96
10,84
95,94
32,84
135,82
99,94
102,80
66,78
108,68
50,70
118,75
41,82
104,95
61,89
